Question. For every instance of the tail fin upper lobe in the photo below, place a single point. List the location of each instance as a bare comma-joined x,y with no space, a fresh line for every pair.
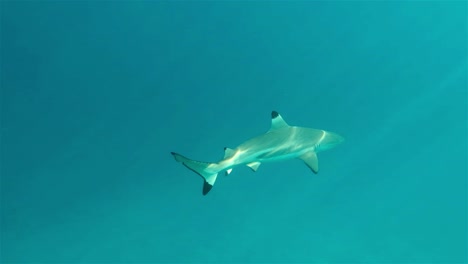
204,169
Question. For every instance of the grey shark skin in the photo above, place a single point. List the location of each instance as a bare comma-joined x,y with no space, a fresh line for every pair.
281,142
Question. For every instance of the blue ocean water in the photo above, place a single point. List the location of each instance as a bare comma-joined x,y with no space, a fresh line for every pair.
95,96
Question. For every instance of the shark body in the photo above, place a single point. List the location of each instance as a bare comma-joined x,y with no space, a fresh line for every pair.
280,142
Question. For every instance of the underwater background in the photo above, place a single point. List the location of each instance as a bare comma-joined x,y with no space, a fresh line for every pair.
96,94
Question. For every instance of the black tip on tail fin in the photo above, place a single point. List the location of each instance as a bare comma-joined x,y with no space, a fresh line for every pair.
206,187
200,168
274,114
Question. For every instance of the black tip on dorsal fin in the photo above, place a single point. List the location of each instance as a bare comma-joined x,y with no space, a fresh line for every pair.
274,114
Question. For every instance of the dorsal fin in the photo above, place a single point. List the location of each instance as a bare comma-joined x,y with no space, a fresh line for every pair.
228,152
277,121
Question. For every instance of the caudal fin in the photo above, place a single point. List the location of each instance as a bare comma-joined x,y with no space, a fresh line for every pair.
205,169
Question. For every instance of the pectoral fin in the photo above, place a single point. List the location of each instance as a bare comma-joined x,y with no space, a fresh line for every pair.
310,159
254,165
228,152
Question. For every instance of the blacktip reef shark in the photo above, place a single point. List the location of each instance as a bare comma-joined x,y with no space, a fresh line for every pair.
280,142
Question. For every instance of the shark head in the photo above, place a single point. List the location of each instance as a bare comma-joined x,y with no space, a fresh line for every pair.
329,140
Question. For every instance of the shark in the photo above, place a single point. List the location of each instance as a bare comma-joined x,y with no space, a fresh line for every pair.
280,142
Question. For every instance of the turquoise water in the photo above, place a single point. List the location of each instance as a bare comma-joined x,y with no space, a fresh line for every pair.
95,96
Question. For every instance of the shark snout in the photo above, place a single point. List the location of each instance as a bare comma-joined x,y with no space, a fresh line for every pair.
338,139
331,140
